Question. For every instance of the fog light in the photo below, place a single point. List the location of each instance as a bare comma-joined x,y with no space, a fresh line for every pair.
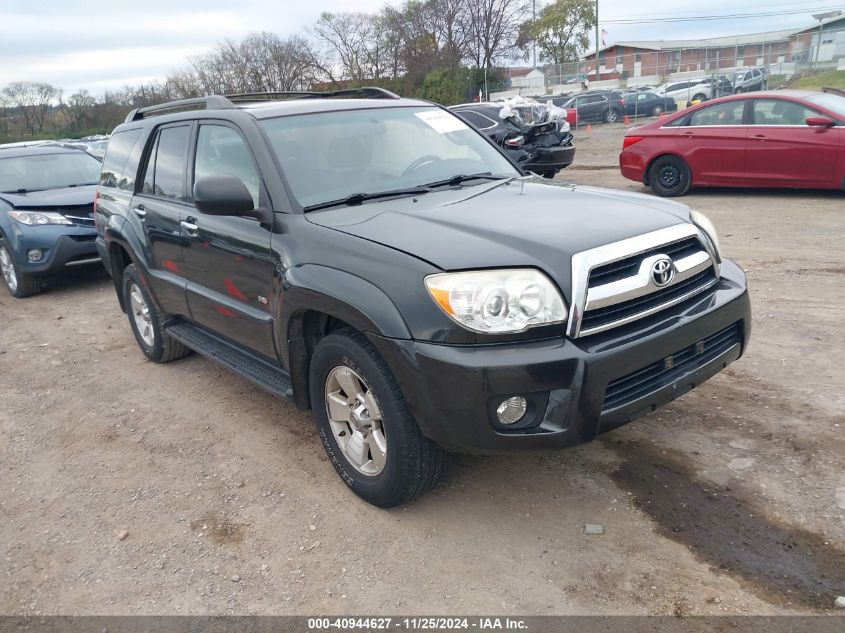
512,410
34,254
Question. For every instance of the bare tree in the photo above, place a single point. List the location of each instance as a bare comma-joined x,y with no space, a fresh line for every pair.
33,100
495,27
78,109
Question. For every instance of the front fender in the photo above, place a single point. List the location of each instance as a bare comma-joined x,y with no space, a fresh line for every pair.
351,299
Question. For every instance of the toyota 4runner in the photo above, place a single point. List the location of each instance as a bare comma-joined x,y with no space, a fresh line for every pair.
380,262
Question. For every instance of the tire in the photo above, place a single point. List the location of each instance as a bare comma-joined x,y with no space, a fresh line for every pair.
699,97
411,463
18,284
549,175
657,111
153,340
611,116
669,176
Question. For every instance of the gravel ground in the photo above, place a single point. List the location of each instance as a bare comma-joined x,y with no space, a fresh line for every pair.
135,488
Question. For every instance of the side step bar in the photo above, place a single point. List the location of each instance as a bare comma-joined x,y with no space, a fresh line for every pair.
273,379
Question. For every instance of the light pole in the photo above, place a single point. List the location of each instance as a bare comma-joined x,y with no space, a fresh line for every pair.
534,17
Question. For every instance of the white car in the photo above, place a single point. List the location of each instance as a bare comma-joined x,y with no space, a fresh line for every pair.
685,91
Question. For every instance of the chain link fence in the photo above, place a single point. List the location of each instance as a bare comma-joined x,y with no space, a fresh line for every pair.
622,66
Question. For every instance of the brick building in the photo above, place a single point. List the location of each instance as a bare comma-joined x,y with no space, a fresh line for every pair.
662,57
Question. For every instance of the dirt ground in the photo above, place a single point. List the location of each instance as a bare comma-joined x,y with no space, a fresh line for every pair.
135,488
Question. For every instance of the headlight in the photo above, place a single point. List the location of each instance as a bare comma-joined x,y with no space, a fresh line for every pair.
498,301
35,218
704,223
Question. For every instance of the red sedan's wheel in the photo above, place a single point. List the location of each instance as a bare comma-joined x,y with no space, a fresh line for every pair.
669,176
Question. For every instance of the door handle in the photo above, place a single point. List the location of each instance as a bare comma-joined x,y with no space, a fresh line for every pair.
759,137
140,211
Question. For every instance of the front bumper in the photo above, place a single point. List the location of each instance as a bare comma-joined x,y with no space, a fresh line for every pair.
453,390
62,246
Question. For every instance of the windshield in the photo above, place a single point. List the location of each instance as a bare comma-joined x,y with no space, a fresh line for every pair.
37,172
334,155
832,102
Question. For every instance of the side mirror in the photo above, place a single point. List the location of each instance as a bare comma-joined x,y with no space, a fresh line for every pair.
820,121
222,194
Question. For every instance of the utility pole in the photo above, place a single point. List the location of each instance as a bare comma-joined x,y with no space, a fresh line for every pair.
598,75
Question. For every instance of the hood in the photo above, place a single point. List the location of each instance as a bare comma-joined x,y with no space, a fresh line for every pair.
52,198
496,225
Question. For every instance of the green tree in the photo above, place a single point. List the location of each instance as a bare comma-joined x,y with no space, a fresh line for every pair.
447,86
561,31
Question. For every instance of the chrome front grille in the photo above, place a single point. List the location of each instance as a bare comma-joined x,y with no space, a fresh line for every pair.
615,284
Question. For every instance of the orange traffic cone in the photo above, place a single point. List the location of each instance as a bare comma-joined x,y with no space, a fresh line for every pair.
589,128
626,121
660,116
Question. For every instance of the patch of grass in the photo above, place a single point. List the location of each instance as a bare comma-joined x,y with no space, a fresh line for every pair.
832,78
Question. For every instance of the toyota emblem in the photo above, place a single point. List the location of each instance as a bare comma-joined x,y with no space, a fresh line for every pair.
662,272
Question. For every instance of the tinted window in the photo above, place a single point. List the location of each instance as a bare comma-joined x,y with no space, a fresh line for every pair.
729,113
119,147
478,120
221,150
170,163
779,112
149,171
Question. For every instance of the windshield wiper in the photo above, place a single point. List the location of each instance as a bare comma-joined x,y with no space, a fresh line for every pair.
359,198
454,181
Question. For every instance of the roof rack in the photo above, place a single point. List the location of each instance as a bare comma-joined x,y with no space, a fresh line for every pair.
213,102
367,92
834,91
218,102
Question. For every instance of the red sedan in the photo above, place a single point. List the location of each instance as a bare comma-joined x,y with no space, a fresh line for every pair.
785,138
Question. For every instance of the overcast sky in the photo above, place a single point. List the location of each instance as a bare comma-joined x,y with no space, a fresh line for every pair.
99,44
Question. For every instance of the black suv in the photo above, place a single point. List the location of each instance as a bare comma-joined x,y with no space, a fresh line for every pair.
381,262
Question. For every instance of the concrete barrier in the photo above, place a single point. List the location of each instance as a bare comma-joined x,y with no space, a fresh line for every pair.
646,80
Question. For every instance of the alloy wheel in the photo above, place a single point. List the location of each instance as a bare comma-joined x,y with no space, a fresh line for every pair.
141,315
355,421
7,266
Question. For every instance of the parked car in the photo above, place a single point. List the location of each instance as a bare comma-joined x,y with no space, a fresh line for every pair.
46,200
382,263
607,106
749,79
97,148
544,147
722,83
560,102
763,139
686,91
641,103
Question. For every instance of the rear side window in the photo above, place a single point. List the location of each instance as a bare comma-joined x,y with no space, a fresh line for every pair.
780,112
114,163
166,169
728,113
478,120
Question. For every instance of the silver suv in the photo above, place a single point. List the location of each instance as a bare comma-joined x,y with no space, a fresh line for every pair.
749,79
